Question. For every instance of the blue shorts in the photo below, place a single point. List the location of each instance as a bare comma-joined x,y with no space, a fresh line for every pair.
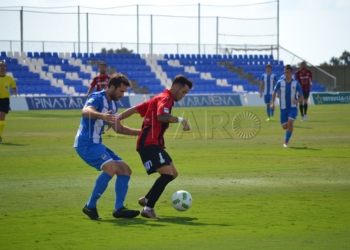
96,155
288,113
267,98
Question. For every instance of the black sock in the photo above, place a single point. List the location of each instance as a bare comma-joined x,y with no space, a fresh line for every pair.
305,108
157,189
301,108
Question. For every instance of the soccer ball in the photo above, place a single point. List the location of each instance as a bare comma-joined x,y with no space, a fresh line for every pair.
181,200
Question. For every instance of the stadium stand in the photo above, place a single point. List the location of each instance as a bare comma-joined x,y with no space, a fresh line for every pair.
46,73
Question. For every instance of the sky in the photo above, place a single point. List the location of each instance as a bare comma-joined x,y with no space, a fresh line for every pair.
314,30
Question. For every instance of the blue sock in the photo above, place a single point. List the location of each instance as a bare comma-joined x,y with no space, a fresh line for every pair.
121,188
288,135
100,187
268,110
272,111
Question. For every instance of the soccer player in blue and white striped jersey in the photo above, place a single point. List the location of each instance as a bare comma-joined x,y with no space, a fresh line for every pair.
267,83
101,109
290,95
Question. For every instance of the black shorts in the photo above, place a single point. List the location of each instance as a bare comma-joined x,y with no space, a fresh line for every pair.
5,105
154,157
306,94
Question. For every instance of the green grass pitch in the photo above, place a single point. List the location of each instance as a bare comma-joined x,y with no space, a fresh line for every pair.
247,193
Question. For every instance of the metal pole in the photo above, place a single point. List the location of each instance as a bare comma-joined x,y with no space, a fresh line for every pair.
21,20
43,46
278,30
78,29
199,28
333,77
217,35
87,33
151,35
10,45
137,13
177,48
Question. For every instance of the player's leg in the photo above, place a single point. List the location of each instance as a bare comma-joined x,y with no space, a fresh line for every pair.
156,159
292,116
97,157
301,109
306,97
284,122
2,123
4,109
143,200
267,99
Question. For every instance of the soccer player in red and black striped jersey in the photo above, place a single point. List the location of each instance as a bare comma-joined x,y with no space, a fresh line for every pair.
150,143
100,81
304,77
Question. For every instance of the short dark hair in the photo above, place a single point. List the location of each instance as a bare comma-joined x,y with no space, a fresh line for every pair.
268,65
288,67
118,79
102,64
182,80
3,62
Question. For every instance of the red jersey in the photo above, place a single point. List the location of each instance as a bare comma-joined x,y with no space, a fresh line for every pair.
152,132
304,78
101,81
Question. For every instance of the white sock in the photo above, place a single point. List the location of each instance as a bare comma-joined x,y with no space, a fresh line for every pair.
148,208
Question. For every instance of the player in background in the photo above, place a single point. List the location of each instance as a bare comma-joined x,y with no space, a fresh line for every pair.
289,90
100,81
6,82
99,110
150,143
267,83
304,77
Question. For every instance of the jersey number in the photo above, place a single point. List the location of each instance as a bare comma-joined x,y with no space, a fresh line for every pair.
161,159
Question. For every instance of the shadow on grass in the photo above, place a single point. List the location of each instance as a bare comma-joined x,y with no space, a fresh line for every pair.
13,144
160,222
305,148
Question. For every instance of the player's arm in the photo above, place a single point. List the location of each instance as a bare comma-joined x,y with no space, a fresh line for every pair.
92,86
275,91
91,113
261,88
13,86
121,129
15,91
301,96
129,112
167,118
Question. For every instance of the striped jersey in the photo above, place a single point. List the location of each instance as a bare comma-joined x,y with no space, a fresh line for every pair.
152,132
304,77
288,92
89,131
269,82
101,81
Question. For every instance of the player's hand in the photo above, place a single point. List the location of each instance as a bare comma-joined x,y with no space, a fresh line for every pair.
86,96
260,95
272,105
185,125
295,101
108,117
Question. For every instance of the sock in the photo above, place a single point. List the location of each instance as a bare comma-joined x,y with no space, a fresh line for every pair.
100,187
121,188
150,191
288,135
301,108
305,108
2,127
268,110
158,188
272,111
